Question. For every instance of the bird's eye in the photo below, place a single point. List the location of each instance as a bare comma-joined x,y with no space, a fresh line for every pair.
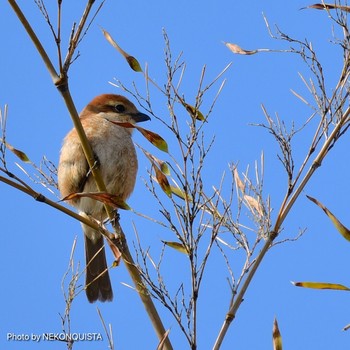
120,108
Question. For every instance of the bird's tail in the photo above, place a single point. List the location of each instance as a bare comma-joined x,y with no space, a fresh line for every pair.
98,284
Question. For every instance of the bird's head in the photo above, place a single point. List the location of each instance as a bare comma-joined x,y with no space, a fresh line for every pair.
116,108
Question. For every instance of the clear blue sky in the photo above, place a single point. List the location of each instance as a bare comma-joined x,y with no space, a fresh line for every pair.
36,240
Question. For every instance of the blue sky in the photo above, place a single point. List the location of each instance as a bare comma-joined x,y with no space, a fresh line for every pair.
37,240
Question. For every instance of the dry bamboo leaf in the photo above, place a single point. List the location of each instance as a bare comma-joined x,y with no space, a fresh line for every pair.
328,7
321,285
237,49
132,61
20,154
238,181
155,139
276,336
345,232
162,181
253,203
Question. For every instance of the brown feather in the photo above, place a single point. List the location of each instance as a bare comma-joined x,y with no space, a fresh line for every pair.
97,288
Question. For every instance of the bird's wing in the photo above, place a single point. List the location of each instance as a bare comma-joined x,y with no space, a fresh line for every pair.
73,171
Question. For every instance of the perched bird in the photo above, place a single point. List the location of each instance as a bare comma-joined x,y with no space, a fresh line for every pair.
116,158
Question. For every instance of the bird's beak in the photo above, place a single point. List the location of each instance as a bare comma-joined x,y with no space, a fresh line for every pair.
140,117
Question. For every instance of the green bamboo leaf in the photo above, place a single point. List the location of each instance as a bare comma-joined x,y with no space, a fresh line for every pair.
276,336
321,285
177,246
344,231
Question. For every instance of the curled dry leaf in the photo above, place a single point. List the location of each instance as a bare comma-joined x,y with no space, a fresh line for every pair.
345,232
111,200
321,285
276,336
177,246
238,50
132,61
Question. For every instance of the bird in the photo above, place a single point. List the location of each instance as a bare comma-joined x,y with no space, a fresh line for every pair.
116,158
